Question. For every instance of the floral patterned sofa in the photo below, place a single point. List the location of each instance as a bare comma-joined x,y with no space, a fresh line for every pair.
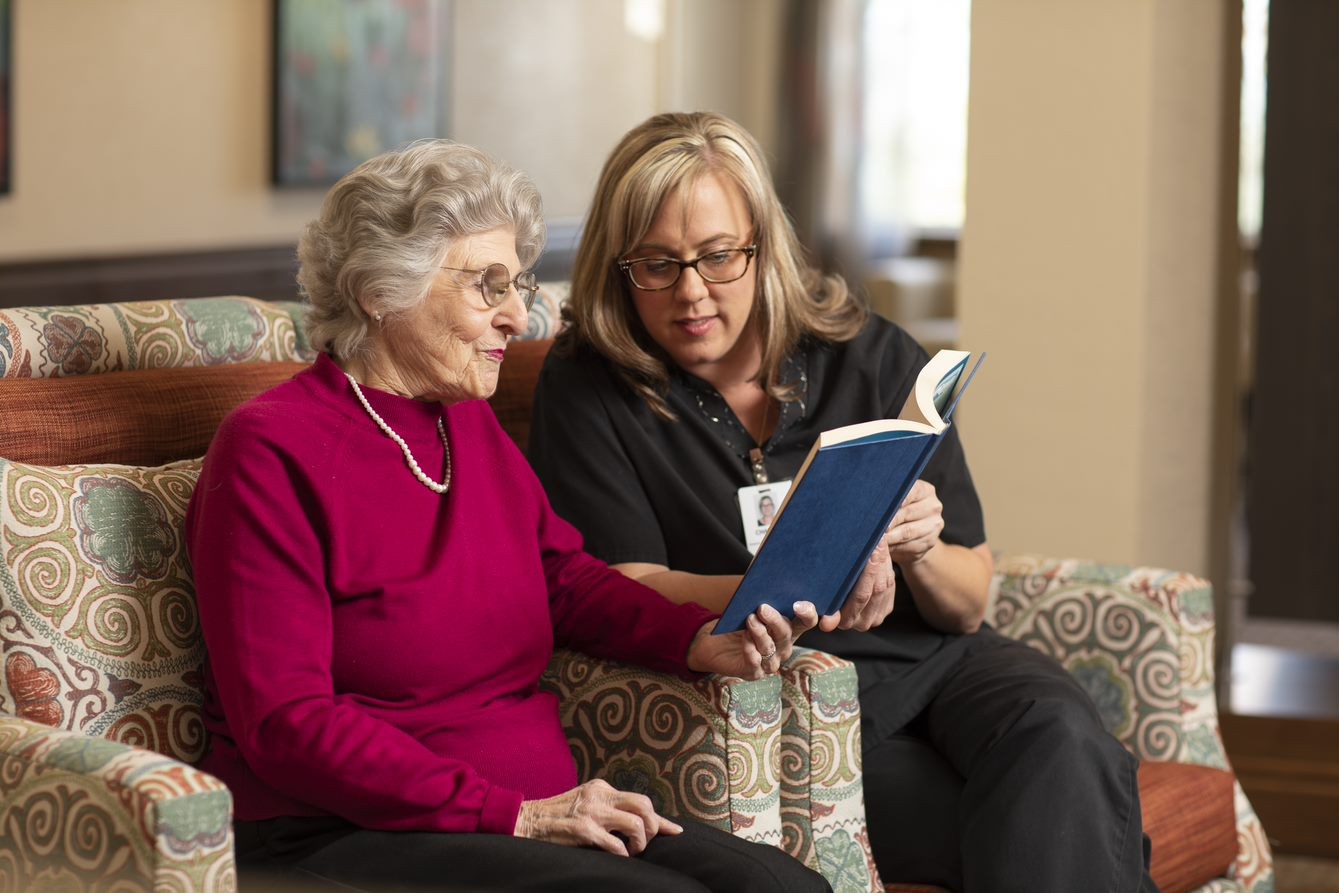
106,409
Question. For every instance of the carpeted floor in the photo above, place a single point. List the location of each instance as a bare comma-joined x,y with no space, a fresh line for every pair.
1301,874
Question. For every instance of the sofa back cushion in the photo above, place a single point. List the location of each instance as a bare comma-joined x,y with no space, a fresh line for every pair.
146,417
56,342
97,607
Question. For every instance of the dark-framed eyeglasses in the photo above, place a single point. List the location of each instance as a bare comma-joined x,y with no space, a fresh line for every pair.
659,273
495,279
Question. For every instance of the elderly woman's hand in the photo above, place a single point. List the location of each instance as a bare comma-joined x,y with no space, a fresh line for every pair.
594,814
753,652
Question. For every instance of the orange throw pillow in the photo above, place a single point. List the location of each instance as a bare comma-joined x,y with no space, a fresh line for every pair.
1190,815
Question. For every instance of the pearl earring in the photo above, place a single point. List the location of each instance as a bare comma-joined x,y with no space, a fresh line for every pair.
376,317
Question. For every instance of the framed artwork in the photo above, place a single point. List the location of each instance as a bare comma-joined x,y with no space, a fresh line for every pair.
5,67
354,79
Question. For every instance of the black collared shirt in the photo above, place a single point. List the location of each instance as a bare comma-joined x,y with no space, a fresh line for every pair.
643,489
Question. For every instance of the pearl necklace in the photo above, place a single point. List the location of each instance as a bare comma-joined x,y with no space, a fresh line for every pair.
404,447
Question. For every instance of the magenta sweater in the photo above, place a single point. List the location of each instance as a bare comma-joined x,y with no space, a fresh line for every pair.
375,648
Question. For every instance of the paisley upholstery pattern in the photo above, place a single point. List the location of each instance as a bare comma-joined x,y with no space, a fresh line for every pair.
48,342
1140,640
99,648
822,797
705,749
87,814
545,316
97,607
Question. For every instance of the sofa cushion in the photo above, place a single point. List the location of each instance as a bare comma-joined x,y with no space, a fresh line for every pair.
145,417
97,606
1190,816
55,342
515,392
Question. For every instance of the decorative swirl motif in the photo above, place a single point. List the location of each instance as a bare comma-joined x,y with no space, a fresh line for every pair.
1119,624
704,788
1159,738
162,349
178,619
58,837
1158,680
119,611
1072,620
825,752
794,763
32,502
48,576
136,730
663,719
1197,661
1003,614
612,709
795,839
574,670
745,771
88,837
114,627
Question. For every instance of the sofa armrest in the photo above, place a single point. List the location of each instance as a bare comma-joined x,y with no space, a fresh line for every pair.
705,749
89,814
822,794
1140,641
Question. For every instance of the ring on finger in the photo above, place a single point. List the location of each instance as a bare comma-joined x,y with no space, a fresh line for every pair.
769,655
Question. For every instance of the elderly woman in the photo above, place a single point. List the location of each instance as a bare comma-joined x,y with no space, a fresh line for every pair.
381,581
703,357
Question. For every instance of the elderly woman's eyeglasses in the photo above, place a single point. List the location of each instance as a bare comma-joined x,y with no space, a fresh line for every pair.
659,273
495,279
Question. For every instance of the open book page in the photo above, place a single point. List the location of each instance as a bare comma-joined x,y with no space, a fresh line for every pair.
935,386
939,380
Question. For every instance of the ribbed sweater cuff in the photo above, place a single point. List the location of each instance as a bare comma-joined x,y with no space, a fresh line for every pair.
499,812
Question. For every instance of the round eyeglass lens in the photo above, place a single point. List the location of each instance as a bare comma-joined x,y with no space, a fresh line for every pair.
496,280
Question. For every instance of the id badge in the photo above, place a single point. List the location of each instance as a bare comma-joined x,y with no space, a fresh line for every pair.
758,505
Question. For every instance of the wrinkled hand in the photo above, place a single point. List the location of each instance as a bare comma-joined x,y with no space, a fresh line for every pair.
915,528
756,651
871,600
591,815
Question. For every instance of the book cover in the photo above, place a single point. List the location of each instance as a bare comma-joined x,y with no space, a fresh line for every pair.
843,498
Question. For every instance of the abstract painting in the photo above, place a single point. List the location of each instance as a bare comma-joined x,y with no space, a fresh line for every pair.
354,79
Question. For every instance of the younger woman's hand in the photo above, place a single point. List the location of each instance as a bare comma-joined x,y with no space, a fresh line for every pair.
594,814
756,651
871,601
915,528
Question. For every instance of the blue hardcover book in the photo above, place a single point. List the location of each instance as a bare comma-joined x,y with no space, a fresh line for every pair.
843,498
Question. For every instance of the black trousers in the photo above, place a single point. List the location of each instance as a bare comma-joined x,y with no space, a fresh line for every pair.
311,854
1006,781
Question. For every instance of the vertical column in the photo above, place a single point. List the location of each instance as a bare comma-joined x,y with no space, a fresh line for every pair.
1089,270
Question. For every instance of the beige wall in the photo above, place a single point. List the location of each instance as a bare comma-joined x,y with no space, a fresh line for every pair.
1088,272
143,125
1088,250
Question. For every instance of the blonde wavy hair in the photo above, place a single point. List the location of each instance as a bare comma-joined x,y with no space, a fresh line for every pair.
668,154
386,226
